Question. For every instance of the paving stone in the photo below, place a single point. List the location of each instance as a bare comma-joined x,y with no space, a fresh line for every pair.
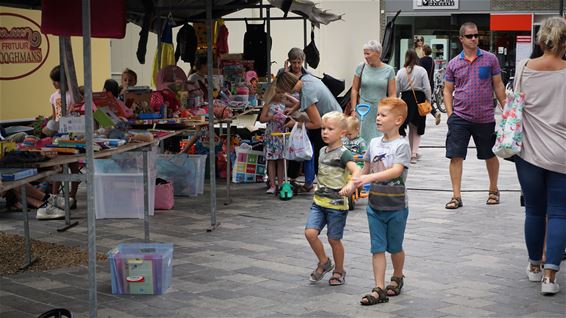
467,262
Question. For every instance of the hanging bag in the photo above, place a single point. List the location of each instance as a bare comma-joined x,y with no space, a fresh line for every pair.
424,107
299,146
509,132
311,52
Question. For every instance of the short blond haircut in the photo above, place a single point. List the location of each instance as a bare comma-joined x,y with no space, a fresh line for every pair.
396,105
353,123
338,117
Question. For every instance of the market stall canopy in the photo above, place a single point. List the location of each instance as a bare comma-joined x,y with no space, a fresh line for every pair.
181,11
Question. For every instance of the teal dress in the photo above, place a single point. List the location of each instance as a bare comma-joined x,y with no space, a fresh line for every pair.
373,88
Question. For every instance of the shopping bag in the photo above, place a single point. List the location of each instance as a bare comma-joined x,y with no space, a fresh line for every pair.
509,132
164,197
299,146
249,166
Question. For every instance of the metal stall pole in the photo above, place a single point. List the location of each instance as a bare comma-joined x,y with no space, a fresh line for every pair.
268,16
27,242
89,126
63,82
146,188
228,175
305,38
211,145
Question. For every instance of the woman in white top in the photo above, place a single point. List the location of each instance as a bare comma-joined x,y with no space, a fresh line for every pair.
541,164
413,75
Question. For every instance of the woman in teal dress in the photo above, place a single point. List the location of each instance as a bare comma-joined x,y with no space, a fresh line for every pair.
373,80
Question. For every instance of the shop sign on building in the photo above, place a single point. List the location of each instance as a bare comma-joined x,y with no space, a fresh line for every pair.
23,48
435,4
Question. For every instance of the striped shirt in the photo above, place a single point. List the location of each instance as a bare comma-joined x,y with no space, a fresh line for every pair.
473,86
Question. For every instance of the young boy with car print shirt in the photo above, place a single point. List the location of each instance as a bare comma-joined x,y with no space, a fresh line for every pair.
385,167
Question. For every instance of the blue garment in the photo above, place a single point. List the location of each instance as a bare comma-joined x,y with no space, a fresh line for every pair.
387,230
319,217
374,84
543,191
313,91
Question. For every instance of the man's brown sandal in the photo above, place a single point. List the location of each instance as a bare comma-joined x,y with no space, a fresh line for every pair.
493,198
454,203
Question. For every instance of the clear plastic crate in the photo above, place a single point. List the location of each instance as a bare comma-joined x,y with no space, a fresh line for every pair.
119,187
141,268
186,172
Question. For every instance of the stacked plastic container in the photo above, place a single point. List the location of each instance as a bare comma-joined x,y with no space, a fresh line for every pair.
185,171
119,186
141,268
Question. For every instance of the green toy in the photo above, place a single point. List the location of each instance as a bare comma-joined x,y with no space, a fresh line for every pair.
286,189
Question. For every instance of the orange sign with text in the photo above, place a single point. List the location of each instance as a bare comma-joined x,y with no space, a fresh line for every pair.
23,48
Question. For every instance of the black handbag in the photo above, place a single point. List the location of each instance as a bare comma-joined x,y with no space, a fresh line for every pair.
335,85
311,52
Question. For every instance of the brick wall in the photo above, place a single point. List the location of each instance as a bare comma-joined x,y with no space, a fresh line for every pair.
532,5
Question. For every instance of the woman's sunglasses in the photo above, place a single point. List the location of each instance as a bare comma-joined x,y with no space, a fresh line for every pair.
469,36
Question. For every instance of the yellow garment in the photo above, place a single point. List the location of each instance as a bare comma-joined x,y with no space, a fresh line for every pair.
167,58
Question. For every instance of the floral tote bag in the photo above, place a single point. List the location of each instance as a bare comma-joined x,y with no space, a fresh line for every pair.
509,132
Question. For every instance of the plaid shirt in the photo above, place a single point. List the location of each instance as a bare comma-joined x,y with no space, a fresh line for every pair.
473,86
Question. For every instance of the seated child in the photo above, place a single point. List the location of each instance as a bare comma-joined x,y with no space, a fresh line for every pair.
353,141
385,166
330,201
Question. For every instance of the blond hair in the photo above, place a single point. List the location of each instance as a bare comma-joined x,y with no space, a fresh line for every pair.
286,81
353,123
338,117
396,105
552,35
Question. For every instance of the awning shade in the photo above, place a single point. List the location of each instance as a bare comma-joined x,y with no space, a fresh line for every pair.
510,22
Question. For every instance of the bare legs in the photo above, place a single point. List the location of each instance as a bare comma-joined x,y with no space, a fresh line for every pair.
318,249
456,165
414,140
275,171
492,165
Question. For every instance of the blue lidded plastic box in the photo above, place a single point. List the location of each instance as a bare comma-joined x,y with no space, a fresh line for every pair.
141,268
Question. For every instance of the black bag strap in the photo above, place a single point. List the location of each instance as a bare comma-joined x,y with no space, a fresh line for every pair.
312,32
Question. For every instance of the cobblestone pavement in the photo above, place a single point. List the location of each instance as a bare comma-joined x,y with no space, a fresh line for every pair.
468,262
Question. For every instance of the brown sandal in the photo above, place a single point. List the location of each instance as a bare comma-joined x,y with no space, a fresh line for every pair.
493,198
454,203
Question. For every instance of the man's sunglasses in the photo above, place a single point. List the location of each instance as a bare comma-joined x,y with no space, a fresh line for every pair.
469,36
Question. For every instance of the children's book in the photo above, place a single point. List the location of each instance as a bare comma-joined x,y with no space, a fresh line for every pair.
13,174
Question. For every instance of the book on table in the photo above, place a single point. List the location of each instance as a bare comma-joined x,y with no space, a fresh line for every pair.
13,174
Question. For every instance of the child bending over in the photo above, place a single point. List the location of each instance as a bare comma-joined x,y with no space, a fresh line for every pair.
330,206
385,167
272,113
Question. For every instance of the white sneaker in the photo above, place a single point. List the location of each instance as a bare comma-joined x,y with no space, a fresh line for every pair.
549,288
49,212
534,276
59,201
271,190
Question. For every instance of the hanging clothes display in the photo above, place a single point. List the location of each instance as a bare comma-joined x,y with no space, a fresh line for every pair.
221,38
167,51
186,44
255,46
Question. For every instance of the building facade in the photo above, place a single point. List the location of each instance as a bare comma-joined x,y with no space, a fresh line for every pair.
507,28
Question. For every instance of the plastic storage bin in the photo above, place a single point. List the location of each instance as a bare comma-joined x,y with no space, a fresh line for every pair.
185,171
119,188
141,268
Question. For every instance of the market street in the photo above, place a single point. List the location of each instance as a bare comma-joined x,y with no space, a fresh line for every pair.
467,262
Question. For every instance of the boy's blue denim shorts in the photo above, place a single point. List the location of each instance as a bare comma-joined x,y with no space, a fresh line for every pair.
387,230
335,219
